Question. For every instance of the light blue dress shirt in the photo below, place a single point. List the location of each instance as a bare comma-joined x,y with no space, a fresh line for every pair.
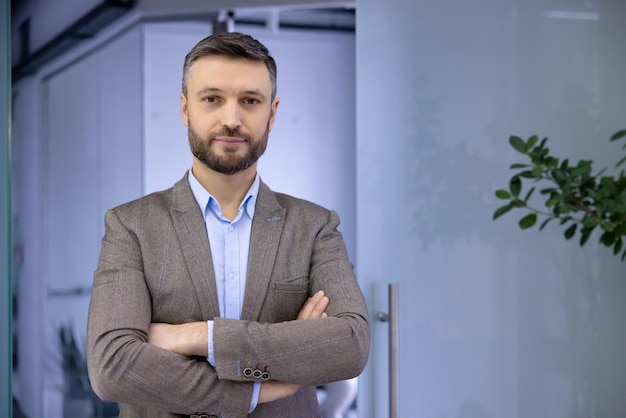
230,244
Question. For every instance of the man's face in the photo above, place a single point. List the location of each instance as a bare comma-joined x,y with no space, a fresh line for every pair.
229,112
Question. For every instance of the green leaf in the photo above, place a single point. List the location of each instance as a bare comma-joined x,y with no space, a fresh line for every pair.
608,238
589,222
528,221
515,186
517,165
530,192
503,194
565,208
559,176
501,211
590,192
544,223
620,229
618,246
569,232
619,134
531,142
551,162
548,190
517,143
554,200
528,174
585,234
607,226
581,170
620,162
543,142
537,172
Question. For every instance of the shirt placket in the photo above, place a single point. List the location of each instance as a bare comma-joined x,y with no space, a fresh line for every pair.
232,305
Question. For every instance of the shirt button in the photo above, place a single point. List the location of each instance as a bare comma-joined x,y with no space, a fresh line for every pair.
230,228
230,276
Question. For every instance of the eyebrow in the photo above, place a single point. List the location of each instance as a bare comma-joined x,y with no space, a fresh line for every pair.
207,90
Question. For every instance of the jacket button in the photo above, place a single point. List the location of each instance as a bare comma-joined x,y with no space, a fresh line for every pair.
265,376
257,374
247,372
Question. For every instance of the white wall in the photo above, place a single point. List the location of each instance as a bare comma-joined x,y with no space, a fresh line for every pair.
495,322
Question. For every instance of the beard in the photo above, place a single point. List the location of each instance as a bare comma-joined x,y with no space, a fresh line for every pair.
230,163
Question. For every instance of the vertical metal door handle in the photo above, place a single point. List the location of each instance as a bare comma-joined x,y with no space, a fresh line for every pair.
392,318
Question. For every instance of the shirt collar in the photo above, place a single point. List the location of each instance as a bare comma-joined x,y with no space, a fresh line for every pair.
204,198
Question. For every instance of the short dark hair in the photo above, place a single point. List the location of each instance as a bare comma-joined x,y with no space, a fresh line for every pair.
230,44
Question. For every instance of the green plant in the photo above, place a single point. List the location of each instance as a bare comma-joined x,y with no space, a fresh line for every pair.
73,362
578,199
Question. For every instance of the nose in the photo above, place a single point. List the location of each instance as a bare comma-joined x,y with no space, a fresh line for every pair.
231,115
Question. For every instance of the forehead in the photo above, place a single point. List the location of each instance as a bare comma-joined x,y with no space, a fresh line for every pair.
216,71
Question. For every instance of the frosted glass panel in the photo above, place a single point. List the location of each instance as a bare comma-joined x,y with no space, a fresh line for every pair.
6,289
494,322
92,163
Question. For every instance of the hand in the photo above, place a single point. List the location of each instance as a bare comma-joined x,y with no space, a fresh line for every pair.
314,307
272,390
188,339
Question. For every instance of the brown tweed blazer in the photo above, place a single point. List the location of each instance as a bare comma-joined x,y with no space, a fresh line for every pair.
155,266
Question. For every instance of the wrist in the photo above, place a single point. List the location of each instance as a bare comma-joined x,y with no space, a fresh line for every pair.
193,341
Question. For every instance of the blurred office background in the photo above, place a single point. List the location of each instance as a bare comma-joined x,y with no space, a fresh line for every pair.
396,114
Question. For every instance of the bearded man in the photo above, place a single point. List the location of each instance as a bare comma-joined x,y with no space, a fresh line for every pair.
219,297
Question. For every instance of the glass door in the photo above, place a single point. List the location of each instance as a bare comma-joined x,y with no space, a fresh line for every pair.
493,321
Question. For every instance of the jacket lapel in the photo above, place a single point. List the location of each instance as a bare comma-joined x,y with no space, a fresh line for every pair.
189,224
267,225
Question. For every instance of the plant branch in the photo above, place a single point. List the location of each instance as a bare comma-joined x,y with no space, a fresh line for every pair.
599,201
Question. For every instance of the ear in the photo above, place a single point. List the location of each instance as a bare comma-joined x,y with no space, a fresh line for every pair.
184,110
273,109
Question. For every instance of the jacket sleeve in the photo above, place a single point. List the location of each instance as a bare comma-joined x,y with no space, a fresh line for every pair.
123,367
306,352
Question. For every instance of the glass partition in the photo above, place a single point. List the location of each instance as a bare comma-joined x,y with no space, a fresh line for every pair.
5,217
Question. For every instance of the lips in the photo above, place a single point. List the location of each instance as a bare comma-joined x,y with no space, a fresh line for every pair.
229,139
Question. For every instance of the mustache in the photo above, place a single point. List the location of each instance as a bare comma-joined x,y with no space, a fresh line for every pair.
235,133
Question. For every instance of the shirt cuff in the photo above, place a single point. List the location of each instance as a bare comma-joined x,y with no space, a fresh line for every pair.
211,357
256,390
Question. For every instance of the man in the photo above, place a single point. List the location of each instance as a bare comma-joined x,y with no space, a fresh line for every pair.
218,297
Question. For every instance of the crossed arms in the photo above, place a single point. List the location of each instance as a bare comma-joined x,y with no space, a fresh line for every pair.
191,339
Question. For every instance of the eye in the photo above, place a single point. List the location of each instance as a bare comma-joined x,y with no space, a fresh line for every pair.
251,101
210,99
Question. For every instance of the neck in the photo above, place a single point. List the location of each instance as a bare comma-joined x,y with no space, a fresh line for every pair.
228,189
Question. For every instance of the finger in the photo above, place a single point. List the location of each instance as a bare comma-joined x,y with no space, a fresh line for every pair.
320,308
309,305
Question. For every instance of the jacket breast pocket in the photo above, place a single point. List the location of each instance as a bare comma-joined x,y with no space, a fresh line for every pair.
287,298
